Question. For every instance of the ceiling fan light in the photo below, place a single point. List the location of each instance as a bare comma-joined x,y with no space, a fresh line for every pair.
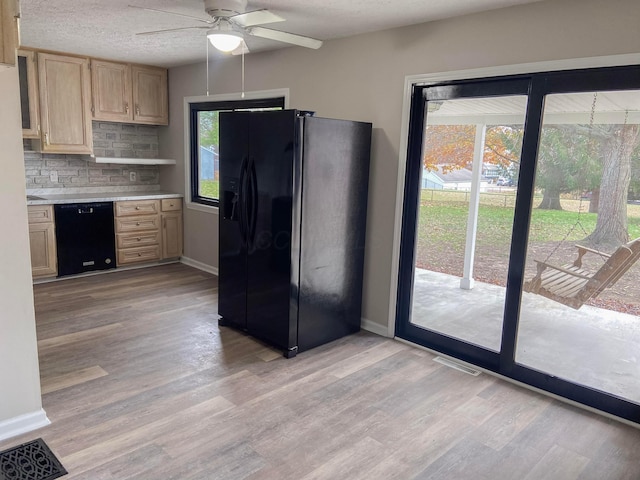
225,42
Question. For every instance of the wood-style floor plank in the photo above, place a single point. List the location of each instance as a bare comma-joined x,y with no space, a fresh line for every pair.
141,383
66,380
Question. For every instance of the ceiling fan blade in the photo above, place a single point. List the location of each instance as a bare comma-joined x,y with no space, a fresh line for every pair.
257,17
172,13
168,30
284,37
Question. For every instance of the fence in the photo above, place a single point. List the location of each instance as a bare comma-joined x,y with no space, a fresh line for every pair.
501,198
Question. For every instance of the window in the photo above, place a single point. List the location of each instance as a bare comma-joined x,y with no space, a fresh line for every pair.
204,152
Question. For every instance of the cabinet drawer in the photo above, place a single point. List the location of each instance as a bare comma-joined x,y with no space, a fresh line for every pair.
138,254
137,224
137,207
140,239
40,213
171,204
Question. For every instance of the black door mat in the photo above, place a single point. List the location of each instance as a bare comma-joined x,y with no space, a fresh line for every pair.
30,461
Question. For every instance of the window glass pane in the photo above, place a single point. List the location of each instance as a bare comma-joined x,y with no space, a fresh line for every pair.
208,163
465,217
205,162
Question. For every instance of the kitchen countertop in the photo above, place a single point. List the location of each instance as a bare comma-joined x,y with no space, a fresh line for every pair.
98,197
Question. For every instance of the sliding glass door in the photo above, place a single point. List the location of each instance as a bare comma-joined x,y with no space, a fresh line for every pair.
518,251
580,311
466,203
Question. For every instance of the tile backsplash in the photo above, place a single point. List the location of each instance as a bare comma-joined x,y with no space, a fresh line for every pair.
57,172
124,140
45,170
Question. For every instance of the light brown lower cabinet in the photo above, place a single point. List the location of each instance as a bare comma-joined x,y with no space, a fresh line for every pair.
148,230
137,226
42,241
171,235
171,227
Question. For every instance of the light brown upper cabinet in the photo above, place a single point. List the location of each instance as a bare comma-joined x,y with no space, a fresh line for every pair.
129,93
9,41
150,97
29,105
111,91
65,114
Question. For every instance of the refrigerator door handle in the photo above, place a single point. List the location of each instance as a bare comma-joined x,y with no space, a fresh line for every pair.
243,201
253,182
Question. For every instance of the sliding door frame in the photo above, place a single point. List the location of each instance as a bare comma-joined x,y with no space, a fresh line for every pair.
536,86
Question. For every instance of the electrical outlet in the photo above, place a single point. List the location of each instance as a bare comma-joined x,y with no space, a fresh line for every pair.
53,176
132,176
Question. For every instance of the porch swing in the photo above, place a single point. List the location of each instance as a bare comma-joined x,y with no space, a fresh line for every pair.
572,285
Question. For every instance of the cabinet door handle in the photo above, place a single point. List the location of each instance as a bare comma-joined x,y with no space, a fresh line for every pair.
46,138
126,107
137,208
137,224
137,109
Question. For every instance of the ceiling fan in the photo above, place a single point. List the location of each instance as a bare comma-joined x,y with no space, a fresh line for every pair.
229,26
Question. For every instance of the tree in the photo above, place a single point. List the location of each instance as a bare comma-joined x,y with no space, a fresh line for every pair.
634,188
617,145
208,130
451,147
566,163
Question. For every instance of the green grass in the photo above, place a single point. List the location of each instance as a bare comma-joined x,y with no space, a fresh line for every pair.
443,220
209,188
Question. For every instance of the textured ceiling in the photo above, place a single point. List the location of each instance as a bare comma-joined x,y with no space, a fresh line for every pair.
107,28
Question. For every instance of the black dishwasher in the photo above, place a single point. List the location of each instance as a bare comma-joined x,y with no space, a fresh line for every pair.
84,237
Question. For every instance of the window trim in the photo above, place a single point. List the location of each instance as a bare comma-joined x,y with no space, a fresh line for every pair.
189,171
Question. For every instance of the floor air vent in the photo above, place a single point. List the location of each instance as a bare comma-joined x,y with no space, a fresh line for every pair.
457,366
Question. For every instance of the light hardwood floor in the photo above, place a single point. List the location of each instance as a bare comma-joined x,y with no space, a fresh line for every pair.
141,383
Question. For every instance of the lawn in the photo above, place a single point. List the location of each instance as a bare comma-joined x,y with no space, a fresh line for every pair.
442,231
443,220
209,188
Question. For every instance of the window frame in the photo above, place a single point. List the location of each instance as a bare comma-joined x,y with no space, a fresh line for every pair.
194,105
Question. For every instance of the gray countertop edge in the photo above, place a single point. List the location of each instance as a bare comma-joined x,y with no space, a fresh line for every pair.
101,197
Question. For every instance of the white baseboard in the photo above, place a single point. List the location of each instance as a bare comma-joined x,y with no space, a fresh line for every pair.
23,424
374,327
199,265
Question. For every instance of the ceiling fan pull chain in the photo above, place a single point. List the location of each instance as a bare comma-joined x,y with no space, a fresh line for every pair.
242,94
207,89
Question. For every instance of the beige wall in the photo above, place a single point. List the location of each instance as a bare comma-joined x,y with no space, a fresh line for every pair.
19,374
362,78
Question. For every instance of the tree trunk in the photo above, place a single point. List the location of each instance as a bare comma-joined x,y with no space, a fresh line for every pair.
594,201
611,227
550,200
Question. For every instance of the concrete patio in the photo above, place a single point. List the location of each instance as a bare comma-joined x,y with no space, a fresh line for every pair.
594,347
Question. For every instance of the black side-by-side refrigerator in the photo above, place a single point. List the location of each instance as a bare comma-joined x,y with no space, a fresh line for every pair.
293,208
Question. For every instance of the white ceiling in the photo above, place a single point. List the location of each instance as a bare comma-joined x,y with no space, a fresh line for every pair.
107,28
619,107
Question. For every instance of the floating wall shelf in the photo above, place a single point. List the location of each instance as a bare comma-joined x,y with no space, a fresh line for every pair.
134,161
